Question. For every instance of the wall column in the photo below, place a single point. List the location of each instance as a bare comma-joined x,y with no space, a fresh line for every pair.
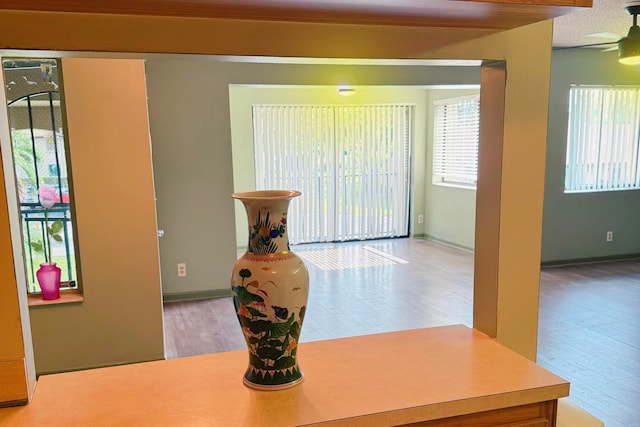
514,100
487,246
17,367
14,383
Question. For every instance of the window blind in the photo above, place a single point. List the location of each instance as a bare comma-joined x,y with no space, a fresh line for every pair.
351,163
456,133
603,139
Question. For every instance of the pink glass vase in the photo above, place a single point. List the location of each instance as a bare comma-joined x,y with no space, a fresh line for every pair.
49,279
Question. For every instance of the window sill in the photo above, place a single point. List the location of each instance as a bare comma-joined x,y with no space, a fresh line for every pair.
453,185
66,297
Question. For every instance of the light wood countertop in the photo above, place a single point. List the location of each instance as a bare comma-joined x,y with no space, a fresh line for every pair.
371,380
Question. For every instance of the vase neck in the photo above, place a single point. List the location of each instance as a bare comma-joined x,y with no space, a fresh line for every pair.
267,226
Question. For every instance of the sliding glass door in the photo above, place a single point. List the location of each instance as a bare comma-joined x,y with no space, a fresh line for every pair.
351,163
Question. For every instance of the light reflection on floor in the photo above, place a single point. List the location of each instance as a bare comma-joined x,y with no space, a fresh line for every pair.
340,258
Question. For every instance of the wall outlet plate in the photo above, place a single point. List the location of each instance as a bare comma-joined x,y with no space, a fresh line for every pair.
182,269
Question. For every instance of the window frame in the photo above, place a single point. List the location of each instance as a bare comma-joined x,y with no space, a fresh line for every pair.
41,102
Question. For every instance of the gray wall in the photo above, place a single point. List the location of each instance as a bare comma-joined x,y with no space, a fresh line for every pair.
192,153
450,212
575,225
191,149
191,128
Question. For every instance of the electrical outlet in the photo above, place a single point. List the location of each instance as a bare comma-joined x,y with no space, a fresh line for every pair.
420,219
609,236
182,269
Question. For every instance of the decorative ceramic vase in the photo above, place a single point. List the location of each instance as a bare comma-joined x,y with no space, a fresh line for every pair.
270,286
49,280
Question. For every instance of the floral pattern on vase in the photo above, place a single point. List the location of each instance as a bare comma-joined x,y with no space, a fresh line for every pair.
263,233
269,285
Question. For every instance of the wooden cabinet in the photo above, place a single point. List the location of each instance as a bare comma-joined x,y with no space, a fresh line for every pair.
446,376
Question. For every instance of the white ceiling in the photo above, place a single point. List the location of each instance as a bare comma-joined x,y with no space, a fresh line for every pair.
606,16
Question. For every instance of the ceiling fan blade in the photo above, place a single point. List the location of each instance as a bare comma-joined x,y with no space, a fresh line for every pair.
592,45
612,36
610,49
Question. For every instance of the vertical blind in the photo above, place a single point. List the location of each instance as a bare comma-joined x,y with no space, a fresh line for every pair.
603,139
351,163
456,133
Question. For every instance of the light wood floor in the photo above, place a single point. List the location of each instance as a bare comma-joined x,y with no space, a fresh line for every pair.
589,327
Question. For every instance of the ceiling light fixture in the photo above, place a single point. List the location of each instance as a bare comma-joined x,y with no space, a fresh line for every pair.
346,90
629,46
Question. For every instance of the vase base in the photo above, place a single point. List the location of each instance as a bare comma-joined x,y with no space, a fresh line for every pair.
275,387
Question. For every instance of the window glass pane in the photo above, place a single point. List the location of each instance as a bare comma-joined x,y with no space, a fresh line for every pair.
38,142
